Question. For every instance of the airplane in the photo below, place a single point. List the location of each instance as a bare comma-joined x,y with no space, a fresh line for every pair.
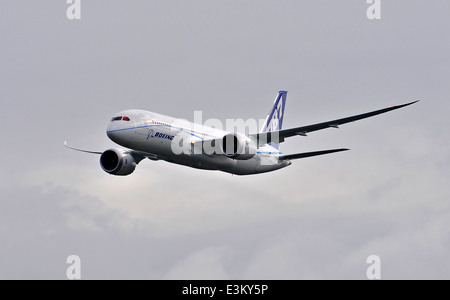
158,137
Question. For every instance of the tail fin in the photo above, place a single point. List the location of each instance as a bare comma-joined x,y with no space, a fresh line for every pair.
274,120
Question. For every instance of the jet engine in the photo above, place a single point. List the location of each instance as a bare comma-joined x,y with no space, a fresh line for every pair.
118,162
238,146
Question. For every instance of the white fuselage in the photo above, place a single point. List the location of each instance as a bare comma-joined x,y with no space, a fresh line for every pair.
155,134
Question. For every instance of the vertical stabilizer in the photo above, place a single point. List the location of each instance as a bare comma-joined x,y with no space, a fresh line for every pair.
274,120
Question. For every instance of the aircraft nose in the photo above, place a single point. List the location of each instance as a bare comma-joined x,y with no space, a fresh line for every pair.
111,130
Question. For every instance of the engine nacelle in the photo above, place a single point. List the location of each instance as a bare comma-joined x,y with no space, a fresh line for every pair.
118,162
238,146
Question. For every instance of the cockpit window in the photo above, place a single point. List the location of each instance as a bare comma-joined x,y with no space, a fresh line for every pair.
120,118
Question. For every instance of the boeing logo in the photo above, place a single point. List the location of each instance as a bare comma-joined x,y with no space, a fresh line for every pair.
163,136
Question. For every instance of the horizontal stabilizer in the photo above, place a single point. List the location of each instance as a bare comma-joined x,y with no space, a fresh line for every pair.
309,154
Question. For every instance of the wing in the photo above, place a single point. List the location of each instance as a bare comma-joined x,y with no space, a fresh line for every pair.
138,155
145,154
280,135
81,150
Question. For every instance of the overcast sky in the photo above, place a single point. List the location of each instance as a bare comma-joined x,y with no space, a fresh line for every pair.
320,218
